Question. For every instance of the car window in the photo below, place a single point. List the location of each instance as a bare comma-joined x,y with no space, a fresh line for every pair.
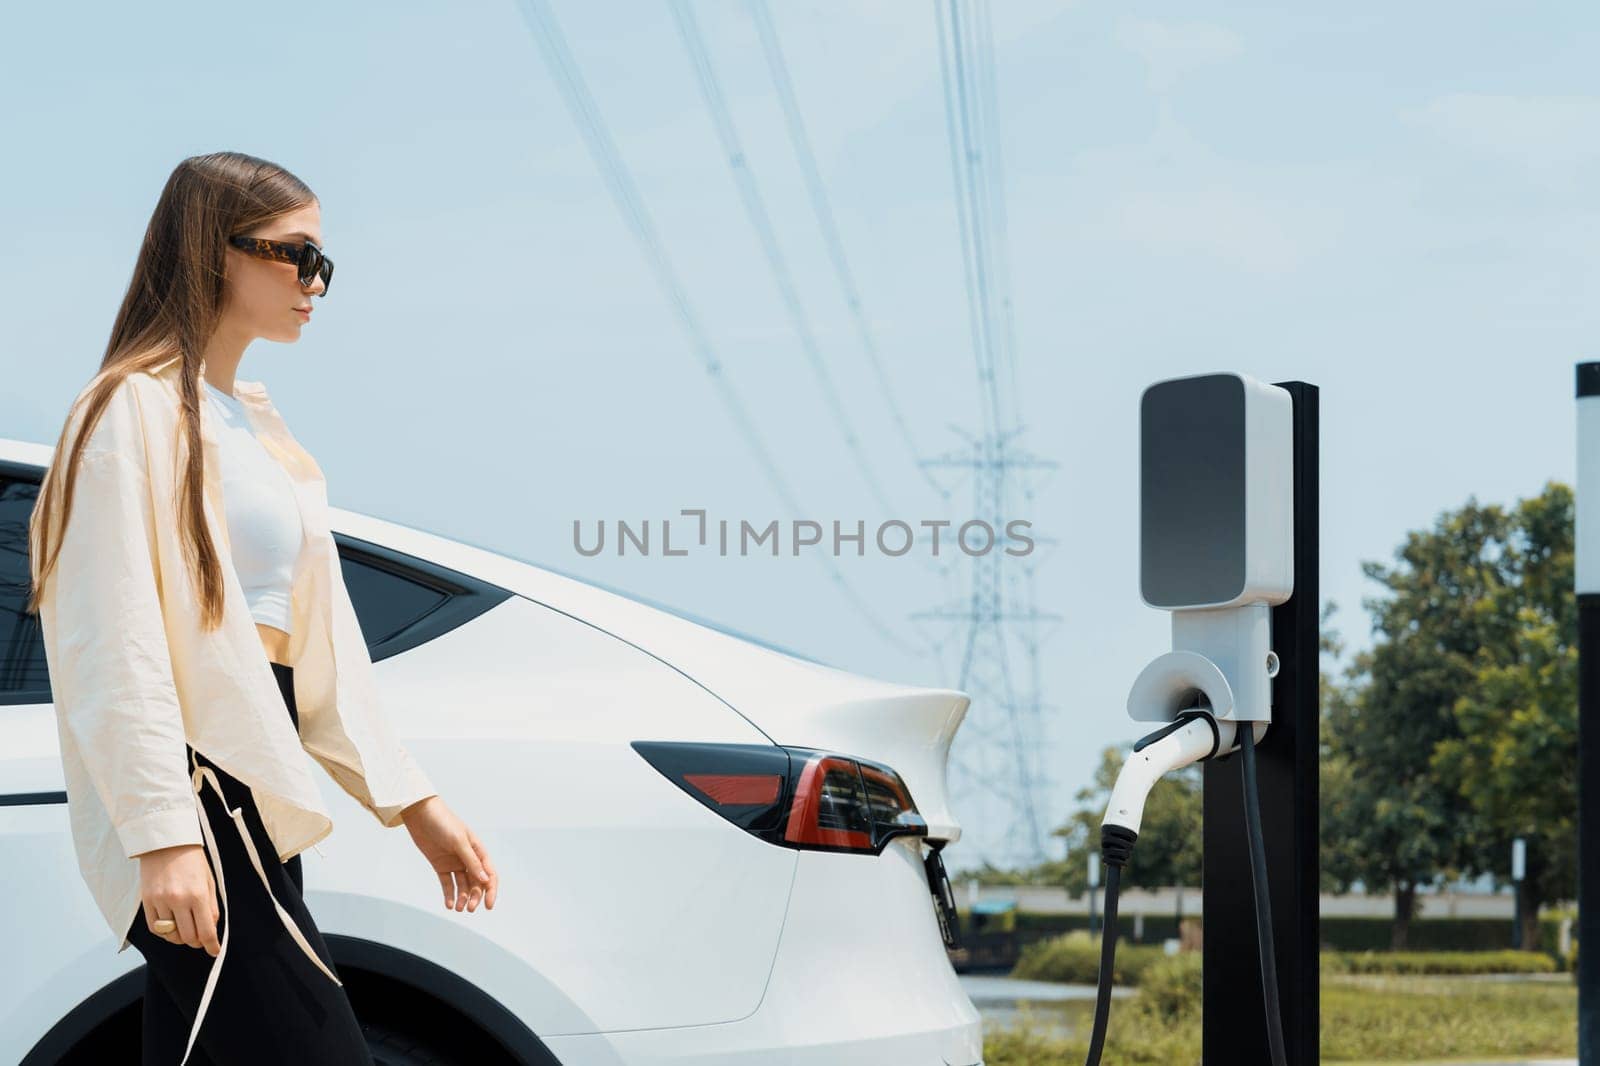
24,675
386,600
400,601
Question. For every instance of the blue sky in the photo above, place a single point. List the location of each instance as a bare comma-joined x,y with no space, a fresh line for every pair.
1394,202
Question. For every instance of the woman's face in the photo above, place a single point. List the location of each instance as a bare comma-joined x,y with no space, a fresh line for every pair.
263,297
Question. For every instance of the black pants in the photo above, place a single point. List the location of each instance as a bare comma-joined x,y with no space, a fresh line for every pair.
271,1004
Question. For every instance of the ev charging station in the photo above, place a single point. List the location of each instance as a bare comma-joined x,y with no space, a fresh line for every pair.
1228,545
1586,547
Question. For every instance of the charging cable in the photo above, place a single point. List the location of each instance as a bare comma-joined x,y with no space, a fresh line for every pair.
1194,737
1116,844
1258,877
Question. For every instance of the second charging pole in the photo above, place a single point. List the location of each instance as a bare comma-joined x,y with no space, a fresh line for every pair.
1587,566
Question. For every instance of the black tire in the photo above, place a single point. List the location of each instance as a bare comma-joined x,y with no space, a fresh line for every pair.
391,1047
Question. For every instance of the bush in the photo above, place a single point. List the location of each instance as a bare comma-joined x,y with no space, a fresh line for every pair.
1171,987
1352,933
1074,958
1437,962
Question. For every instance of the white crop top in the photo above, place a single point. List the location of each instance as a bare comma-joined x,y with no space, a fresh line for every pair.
263,518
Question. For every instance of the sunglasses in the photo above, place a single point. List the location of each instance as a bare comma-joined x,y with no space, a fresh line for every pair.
307,257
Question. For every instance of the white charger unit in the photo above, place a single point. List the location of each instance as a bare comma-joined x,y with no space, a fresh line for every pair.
1216,540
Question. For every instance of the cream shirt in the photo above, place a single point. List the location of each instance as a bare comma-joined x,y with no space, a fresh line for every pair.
135,678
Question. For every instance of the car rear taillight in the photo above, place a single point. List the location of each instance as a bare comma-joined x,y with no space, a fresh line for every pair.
793,797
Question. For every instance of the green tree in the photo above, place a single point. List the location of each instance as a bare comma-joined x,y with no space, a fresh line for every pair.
1333,773
1514,758
1392,821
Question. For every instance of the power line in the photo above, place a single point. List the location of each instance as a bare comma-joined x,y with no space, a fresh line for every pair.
761,221
827,226
989,139
965,166
993,169
552,41
998,601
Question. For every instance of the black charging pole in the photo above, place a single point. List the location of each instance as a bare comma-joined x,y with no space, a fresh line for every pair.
1235,1031
1587,550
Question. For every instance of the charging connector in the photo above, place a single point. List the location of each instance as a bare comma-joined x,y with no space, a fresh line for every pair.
1195,737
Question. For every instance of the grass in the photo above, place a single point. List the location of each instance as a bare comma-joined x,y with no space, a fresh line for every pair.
1365,1019
1410,1018
1131,1039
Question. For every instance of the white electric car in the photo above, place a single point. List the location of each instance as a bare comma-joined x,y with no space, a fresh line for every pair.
711,851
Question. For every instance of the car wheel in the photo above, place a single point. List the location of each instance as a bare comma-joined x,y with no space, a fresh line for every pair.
391,1047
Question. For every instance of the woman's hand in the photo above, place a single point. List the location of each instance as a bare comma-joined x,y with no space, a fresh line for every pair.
176,883
454,851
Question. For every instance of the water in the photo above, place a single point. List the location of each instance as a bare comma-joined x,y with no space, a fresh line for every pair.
1054,1009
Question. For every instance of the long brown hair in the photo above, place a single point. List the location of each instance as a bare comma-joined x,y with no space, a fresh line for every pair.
174,302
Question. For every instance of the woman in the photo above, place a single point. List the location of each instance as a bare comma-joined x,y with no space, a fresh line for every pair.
201,640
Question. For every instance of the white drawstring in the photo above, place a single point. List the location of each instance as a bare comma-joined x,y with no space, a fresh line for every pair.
201,775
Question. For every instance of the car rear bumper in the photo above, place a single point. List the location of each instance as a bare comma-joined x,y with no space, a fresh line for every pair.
861,978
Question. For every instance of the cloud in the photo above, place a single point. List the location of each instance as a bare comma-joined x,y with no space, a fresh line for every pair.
1173,49
1544,133
1173,196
